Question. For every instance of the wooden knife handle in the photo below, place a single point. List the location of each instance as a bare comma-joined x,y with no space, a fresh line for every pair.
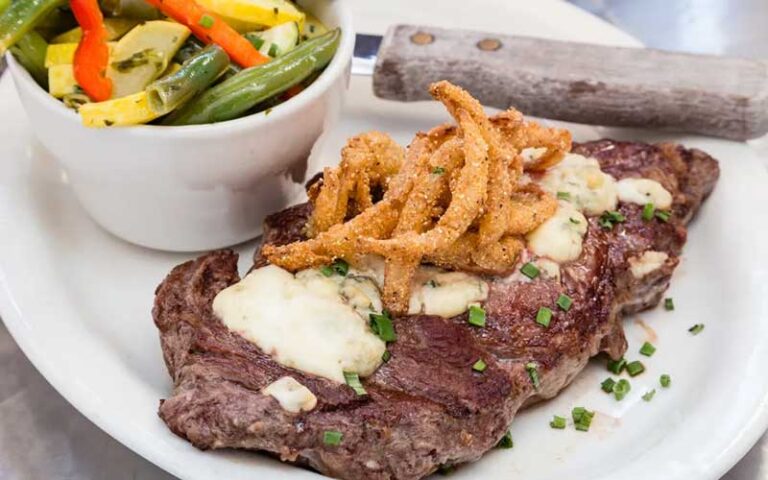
578,82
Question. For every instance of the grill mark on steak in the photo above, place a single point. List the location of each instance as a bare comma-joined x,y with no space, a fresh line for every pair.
426,406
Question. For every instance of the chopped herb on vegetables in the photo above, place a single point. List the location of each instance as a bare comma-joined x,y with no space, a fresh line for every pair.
353,380
506,441
696,329
381,324
621,389
206,21
273,51
607,385
544,316
635,368
479,366
665,380
530,270
648,396
608,219
647,349
564,302
669,304
557,422
617,366
476,316
332,438
648,211
533,373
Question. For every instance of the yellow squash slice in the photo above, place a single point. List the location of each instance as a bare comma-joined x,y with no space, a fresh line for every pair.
255,14
143,54
131,110
61,80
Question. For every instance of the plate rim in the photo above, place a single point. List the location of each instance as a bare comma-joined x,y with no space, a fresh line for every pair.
12,318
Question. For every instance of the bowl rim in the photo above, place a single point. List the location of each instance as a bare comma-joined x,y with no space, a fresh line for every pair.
339,66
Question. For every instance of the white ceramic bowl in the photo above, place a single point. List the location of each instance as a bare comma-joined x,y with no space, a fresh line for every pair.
193,187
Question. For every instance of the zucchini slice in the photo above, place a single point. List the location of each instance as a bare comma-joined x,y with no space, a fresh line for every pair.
276,41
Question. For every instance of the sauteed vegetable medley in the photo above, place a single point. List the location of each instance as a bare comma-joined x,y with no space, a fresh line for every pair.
166,62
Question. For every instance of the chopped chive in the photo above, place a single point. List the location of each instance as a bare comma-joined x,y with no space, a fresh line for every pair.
616,366
476,316
647,349
648,396
563,195
544,316
332,437
530,270
272,50
582,418
353,380
696,329
574,221
635,368
326,270
381,324
479,366
665,380
608,219
341,267
257,42
648,211
621,389
275,10
506,441
533,373
663,216
557,422
669,304
206,21
564,302
608,384
438,170
386,356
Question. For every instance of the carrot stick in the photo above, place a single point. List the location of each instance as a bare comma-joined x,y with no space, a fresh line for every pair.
92,54
211,29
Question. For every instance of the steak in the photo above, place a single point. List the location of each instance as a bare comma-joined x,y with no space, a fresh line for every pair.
425,407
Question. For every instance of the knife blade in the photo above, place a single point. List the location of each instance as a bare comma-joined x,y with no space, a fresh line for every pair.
578,82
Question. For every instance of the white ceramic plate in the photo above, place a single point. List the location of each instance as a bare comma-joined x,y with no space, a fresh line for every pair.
78,301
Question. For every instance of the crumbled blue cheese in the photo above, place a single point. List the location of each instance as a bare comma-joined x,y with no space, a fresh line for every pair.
291,395
589,189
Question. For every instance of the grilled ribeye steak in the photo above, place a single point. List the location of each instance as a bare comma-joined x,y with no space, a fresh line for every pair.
425,407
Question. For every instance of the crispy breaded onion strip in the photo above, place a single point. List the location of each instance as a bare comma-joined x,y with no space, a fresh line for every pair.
368,160
457,200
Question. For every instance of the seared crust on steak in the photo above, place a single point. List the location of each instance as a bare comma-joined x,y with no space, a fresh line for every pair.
426,407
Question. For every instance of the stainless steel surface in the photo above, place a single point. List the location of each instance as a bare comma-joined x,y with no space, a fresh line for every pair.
43,437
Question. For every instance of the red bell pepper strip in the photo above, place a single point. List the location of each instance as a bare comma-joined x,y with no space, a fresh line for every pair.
92,54
211,29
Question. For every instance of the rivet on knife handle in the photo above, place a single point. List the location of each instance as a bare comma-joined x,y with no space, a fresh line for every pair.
718,96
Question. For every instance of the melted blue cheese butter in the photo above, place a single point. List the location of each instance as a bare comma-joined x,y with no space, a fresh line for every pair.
291,395
446,294
642,191
303,321
588,188
560,238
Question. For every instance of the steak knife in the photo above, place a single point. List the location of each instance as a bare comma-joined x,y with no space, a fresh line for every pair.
578,82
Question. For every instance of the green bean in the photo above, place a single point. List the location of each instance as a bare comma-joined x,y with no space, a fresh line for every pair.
194,76
30,52
192,47
21,17
236,95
